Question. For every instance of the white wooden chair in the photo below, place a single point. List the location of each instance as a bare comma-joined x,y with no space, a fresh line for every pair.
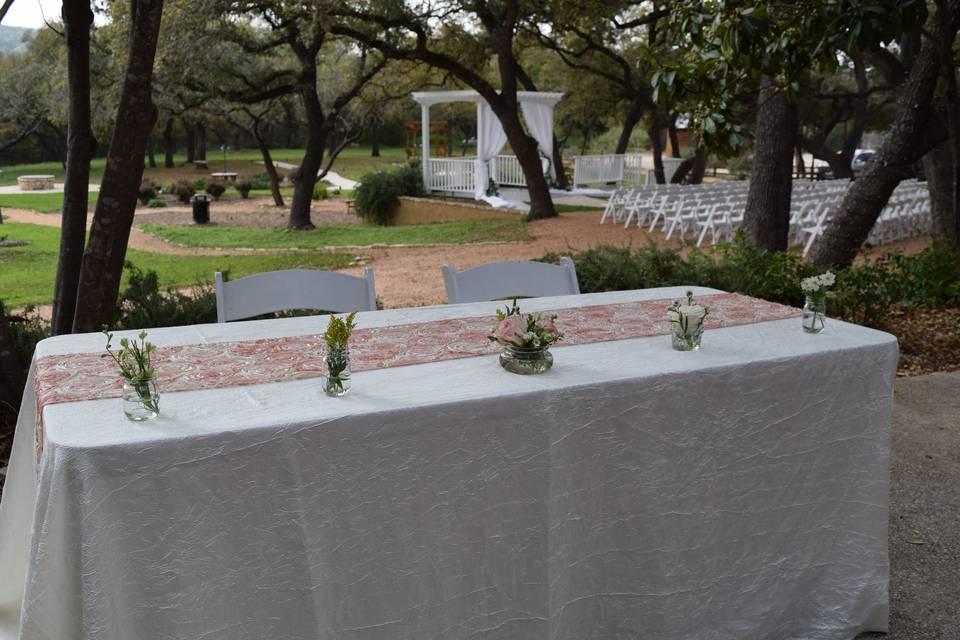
294,289
501,280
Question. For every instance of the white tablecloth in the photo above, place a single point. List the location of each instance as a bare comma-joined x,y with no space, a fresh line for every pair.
632,492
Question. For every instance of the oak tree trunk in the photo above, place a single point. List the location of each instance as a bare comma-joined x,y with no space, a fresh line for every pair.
656,143
268,164
953,126
317,132
151,154
136,114
692,169
169,145
191,144
938,168
376,128
81,145
674,137
201,152
766,217
561,171
915,130
634,113
525,148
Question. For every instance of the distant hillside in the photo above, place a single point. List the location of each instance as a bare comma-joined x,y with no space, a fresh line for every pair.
11,38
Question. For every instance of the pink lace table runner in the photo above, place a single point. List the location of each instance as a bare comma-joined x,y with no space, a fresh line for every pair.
88,376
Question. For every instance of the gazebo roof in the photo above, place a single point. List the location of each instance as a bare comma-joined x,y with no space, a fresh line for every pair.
439,97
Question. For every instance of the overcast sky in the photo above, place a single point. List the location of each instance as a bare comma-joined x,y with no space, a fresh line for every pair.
29,13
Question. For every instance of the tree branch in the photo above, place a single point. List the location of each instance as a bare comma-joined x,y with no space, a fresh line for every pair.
6,7
26,131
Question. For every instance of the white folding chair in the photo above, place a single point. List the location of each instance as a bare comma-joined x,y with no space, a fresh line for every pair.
294,289
501,280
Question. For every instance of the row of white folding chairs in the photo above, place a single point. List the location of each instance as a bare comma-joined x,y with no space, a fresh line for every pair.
717,210
626,203
906,215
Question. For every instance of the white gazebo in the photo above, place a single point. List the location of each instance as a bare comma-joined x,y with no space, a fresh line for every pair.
472,175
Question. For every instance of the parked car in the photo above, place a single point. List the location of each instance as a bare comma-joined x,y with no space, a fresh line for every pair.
861,159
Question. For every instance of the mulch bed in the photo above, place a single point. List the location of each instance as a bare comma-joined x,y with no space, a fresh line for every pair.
929,339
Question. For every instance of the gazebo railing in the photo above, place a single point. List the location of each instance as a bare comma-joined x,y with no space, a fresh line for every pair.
507,172
605,168
452,174
457,175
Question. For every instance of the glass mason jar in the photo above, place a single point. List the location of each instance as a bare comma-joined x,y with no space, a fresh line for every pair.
336,381
814,313
687,333
526,361
141,401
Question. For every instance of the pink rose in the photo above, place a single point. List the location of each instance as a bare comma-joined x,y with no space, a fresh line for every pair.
509,329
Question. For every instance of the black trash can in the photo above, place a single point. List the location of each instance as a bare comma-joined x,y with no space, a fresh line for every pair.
201,208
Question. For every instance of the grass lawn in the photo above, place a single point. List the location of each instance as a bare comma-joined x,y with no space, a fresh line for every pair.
42,202
569,208
349,235
27,273
351,163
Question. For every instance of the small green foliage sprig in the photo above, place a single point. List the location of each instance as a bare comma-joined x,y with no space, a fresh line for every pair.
338,330
337,337
136,366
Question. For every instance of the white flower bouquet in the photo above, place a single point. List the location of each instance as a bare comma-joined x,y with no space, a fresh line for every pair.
815,308
686,321
818,285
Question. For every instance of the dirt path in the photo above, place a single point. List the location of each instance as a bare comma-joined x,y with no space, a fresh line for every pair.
138,238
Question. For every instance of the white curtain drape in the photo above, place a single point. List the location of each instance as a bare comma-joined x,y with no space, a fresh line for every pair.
490,139
539,117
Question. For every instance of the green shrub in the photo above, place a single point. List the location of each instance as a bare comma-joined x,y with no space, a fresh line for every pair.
200,184
260,181
184,190
215,189
146,193
27,328
377,196
864,293
320,191
142,304
156,203
170,189
243,188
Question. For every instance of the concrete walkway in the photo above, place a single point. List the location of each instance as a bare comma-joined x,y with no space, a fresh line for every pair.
332,177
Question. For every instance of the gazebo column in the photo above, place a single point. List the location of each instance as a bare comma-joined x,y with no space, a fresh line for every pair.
425,144
478,188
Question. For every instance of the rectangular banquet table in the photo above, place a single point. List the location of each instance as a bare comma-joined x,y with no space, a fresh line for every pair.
633,491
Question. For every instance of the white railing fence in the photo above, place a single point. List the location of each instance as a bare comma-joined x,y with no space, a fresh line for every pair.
507,172
452,174
601,169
